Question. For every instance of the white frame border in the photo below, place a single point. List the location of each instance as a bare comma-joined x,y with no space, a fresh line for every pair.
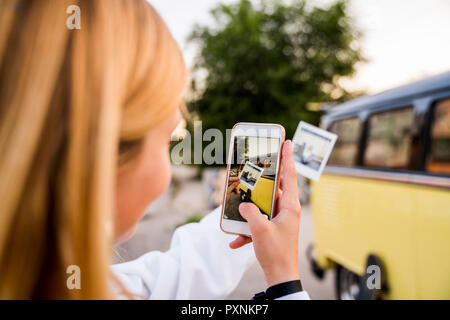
260,170
304,170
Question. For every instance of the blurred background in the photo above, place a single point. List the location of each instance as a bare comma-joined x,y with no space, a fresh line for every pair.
375,73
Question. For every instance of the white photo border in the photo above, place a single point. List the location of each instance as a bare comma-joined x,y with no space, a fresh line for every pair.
260,170
301,168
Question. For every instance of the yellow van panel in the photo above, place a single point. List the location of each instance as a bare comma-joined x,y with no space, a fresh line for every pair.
432,243
262,194
407,226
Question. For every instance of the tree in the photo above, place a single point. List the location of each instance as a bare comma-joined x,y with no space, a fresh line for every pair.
267,62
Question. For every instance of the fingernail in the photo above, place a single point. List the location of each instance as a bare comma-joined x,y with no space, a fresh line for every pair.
288,144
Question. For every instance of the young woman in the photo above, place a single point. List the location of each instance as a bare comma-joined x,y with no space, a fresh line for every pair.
86,117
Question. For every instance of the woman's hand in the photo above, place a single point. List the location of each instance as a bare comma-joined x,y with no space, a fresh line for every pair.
233,183
276,241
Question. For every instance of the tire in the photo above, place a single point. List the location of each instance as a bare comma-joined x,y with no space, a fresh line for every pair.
373,293
347,284
318,272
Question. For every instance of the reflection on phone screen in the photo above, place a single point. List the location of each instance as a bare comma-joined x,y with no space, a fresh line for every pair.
252,175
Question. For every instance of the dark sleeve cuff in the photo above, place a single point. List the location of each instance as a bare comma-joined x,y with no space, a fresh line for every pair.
279,290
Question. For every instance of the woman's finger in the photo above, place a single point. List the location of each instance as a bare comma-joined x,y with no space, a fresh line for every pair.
288,183
233,179
255,219
240,242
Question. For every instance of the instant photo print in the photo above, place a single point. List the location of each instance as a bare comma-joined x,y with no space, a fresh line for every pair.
312,147
250,175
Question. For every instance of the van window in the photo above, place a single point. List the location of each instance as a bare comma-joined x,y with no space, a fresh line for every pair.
346,147
389,139
439,156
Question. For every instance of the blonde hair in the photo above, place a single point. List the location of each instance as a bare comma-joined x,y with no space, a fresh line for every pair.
68,100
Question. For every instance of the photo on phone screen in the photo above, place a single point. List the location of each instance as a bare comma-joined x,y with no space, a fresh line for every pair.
252,175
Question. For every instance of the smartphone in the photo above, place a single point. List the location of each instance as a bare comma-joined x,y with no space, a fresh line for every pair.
253,171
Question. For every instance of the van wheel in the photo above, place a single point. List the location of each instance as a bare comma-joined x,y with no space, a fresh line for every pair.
245,196
347,284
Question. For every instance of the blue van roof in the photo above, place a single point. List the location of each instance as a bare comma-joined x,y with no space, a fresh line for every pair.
418,88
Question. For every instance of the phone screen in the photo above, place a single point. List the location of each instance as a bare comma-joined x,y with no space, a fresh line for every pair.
252,175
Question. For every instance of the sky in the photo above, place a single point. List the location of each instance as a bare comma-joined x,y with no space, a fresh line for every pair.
403,40
261,146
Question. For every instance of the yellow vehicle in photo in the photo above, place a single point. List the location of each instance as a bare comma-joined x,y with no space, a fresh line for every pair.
385,196
261,195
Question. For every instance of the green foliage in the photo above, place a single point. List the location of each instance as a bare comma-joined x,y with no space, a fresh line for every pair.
267,62
195,218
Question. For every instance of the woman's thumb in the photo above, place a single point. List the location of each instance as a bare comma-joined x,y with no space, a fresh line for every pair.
254,217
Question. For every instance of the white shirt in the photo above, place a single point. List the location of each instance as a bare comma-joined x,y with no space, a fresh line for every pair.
198,265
